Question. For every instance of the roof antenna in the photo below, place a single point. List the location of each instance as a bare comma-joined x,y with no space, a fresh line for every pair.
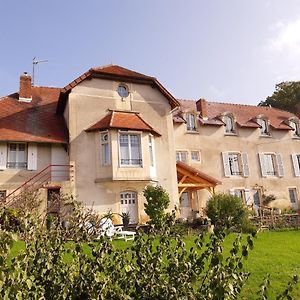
34,63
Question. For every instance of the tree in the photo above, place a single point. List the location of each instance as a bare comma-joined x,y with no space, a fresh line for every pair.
286,96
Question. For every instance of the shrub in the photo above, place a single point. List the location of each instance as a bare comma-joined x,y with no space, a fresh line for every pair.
157,201
227,211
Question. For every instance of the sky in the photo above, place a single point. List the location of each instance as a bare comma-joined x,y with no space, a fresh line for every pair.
226,51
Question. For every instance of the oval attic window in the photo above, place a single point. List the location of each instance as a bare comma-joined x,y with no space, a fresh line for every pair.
123,91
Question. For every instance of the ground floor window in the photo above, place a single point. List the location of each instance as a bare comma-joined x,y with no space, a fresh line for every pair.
293,198
2,195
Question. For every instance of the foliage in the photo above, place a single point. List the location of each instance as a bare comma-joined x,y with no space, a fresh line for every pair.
286,96
267,199
226,211
157,201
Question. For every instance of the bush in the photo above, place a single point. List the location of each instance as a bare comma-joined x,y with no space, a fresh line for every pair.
227,211
157,201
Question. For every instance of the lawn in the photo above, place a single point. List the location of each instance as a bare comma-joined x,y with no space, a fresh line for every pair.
274,253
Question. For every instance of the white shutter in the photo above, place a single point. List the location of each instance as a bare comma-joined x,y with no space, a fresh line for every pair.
279,165
248,198
226,164
32,157
3,156
245,164
262,164
296,164
232,192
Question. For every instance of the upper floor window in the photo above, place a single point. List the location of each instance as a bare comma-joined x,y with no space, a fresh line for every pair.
271,164
191,122
195,156
229,124
295,126
130,149
182,156
105,149
151,150
123,91
17,156
235,164
264,128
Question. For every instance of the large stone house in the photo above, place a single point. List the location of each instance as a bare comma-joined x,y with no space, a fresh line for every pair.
112,131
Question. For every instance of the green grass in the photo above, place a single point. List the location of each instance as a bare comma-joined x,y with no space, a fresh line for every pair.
274,253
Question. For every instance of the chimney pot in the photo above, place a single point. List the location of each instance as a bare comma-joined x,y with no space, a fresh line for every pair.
201,107
25,93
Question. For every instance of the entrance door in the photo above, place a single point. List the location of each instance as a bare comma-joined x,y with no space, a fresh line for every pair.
185,209
129,204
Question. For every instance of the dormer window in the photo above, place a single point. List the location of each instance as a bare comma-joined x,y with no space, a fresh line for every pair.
264,128
295,126
229,124
191,122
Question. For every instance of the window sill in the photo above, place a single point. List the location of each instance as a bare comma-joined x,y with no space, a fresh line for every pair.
265,136
230,133
192,132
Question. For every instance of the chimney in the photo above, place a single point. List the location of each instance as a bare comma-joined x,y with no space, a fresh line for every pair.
201,107
25,88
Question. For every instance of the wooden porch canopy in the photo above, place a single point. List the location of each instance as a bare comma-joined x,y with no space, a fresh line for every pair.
192,179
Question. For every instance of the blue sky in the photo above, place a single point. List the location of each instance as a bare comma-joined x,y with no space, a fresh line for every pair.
227,51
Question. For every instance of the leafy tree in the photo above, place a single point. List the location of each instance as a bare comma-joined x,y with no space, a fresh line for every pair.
286,96
157,201
226,211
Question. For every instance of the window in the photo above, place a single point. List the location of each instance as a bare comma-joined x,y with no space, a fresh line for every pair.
123,91
105,149
295,126
195,156
271,164
17,156
151,150
130,149
182,156
235,164
296,164
244,194
293,198
229,124
264,128
191,122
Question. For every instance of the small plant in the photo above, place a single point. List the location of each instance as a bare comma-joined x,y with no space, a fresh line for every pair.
125,218
157,201
267,199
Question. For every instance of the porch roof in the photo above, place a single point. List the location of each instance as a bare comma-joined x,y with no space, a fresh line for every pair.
191,178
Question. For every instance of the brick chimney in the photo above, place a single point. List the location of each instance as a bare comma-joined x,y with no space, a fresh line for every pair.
25,88
201,107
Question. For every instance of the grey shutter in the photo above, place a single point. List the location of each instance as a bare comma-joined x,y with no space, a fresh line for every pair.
262,164
248,198
3,156
32,157
296,165
226,164
279,165
244,157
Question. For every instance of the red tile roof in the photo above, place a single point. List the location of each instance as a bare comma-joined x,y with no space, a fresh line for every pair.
245,115
115,72
122,120
36,121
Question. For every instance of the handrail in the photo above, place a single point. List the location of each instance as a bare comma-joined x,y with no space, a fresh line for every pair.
49,167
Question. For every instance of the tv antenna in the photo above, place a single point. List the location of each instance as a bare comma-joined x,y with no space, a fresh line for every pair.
34,63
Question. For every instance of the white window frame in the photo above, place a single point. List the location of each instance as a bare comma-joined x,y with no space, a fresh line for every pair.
191,125
296,164
17,164
271,164
151,150
235,164
296,130
105,148
196,158
264,129
229,125
130,159
180,154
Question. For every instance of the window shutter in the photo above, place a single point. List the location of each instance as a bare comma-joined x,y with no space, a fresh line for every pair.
226,164
232,192
248,198
3,156
279,165
245,164
262,164
296,165
32,157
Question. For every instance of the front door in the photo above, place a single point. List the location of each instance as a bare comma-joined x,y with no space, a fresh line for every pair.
129,204
185,208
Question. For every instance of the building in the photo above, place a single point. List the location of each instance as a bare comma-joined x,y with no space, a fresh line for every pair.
112,131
